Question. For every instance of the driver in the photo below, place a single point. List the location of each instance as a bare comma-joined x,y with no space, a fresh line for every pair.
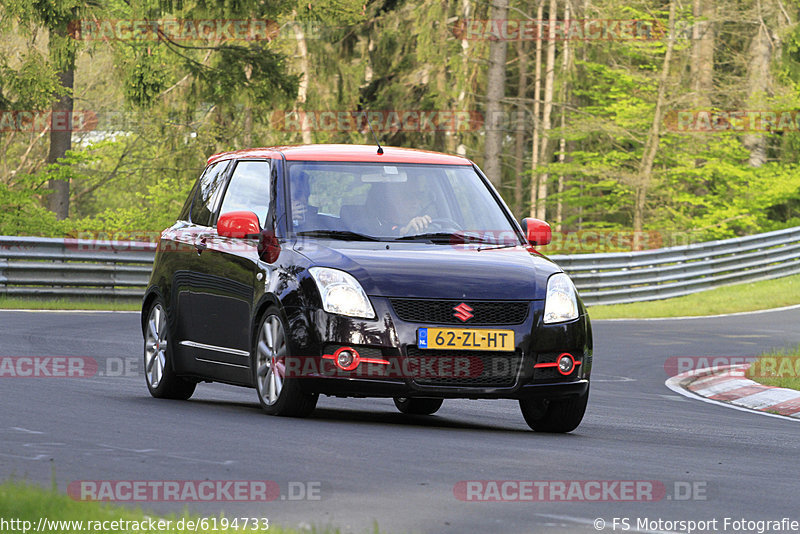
405,206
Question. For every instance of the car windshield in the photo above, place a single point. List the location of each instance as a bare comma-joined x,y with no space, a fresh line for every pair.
368,201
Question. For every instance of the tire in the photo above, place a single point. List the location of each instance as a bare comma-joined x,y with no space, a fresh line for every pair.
162,382
417,406
556,416
277,394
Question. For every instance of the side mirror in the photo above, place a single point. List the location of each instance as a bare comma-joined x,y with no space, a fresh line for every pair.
238,224
537,231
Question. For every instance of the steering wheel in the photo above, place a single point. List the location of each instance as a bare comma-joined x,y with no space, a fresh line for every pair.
446,223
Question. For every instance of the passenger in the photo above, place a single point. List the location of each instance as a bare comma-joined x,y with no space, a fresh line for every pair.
304,216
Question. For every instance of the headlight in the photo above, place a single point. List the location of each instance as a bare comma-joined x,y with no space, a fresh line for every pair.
341,293
561,302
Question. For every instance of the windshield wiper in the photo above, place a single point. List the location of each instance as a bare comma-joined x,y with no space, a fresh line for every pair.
344,235
454,238
496,246
434,237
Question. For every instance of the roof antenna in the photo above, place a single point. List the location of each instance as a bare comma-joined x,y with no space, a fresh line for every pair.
380,149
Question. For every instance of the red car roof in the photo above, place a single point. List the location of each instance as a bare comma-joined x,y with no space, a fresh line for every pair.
360,153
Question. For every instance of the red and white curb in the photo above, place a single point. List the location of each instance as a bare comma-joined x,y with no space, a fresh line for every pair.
727,386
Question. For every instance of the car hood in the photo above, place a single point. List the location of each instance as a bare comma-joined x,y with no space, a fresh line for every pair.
423,270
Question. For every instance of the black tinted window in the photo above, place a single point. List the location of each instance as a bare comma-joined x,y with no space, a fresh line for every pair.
208,191
249,189
186,209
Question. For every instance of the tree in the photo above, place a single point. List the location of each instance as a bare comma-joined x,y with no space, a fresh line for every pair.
537,125
651,147
549,80
55,16
759,76
702,61
495,93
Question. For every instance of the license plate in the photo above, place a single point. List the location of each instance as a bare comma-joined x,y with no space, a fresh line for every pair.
465,339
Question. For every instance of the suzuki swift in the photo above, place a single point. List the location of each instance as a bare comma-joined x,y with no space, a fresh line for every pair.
353,271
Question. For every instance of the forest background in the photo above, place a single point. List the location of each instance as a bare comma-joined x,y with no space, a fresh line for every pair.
626,125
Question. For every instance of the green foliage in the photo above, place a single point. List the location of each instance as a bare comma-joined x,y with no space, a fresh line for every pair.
151,210
258,71
31,85
145,73
20,211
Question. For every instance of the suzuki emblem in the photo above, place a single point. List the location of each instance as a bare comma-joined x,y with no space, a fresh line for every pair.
463,312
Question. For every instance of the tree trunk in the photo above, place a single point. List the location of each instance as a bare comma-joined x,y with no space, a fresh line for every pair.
701,68
247,123
702,64
581,186
302,89
495,92
549,79
651,146
519,141
562,144
537,125
759,84
60,137
466,11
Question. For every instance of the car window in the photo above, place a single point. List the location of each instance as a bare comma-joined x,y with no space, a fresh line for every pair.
385,200
187,206
330,187
470,198
208,192
249,189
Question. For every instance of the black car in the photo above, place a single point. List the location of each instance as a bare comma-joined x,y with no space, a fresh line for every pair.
348,271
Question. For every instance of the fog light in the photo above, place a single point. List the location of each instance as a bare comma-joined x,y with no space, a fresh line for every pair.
566,363
347,358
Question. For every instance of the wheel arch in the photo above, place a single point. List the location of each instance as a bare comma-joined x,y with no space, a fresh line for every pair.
267,301
150,296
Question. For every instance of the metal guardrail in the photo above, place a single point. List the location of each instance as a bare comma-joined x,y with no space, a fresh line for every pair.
624,277
46,267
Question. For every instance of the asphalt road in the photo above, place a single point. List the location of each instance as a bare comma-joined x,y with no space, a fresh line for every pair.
370,463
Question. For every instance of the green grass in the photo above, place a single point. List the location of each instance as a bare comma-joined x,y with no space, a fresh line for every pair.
745,297
27,502
779,368
24,303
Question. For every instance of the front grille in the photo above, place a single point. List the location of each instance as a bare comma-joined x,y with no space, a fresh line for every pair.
463,368
442,312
